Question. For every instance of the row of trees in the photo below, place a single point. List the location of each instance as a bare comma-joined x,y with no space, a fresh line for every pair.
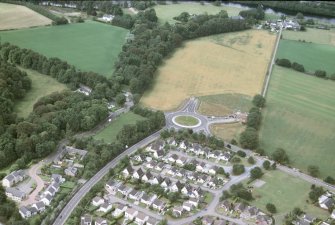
257,13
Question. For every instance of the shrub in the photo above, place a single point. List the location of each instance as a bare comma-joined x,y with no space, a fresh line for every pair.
251,160
258,101
241,154
238,169
235,160
298,67
313,170
284,63
329,180
280,156
249,138
256,173
271,208
320,73
266,164
332,77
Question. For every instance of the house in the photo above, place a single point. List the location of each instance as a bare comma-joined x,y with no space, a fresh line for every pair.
15,194
181,161
172,171
191,176
197,149
33,210
194,202
105,207
194,162
57,178
97,201
251,212
24,212
212,170
192,192
177,211
207,220
127,171
206,151
138,174
47,199
202,178
157,145
172,142
187,206
177,186
160,166
130,213
71,171
51,190
166,183
184,145
148,199
181,173
86,220
100,221
141,218
158,204
333,214
158,154
84,89
135,195
173,158
146,177
151,165
39,206
328,203
156,180
225,157
112,186
226,205
107,17
124,190
152,221
240,207
13,178
119,209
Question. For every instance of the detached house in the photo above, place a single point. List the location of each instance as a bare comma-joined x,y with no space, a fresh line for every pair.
130,213
105,207
97,201
112,186
119,209
172,158
135,195
157,145
138,174
128,171
148,199
176,187
141,218
24,212
15,194
86,220
39,206
158,154
181,161
166,183
147,177
158,204
13,178
177,211
184,145
156,180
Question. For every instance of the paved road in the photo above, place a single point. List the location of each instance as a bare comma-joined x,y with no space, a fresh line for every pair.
67,210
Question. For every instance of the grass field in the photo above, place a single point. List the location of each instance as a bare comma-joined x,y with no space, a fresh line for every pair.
42,85
165,13
16,17
317,36
90,46
110,132
225,63
187,120
312,56
300,117
285,192
227,132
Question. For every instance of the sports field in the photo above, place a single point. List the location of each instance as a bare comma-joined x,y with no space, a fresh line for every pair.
90,46
109,133
300,117
42,85
285,192
317,36
226,63
165,13
16,17
312,56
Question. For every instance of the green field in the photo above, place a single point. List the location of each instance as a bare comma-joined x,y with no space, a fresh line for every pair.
90,46
187,120
42,85
317,36
300,117
110,132
165,13
312,56
285,192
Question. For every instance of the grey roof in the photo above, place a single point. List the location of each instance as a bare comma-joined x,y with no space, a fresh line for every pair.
32,210
329,202
15,192
40,205
152,220
24,210
56,177
49,197
158,202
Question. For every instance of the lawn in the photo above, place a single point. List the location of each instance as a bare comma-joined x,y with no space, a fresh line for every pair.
226,63
109,133
42,85
300,117
16,17
90,46
68,184
317,36
227,132
285,192
187,120
165,13
312,56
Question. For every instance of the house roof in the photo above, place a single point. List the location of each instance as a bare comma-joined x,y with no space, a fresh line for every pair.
131,211
152,220
40,205
105,205
100,221
158,202
97,199
140,172
130,169
24,210
15,192
120,206
141,216
329,202
48,197
87,218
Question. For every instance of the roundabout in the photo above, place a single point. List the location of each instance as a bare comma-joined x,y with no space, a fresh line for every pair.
186,121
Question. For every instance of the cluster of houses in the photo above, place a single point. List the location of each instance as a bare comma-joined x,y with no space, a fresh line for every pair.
276,25
249,213
210,220
45,198
12,179
67,5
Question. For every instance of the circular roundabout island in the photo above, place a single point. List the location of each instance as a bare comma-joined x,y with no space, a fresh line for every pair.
187,121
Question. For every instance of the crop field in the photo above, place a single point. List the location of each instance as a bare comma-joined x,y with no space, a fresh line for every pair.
165,13
226,63
16,17
42,85
109,133
300,117
285,197
227,132
312,56
316,36
90,46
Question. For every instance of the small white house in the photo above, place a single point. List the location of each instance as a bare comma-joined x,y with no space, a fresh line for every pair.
105,207
97,201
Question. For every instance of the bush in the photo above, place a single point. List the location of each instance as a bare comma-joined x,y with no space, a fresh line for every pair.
313,171
298,67
251,160
280,156
256,173
332,77
241,153
320,73
233,142
258,101
238,169
284,63
271,208
249,138
235,160
329,180
266,164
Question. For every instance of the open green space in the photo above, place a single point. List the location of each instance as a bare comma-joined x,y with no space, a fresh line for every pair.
42,85
109,133
68,184
300,117
165,13
90,46
312,56
187,120
285,192
317,36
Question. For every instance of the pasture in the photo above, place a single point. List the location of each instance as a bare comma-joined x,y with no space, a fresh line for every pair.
227,132
42,85
316,36
109,133
300,117
17,16
312,56
90,46
287,195
226,63
165,13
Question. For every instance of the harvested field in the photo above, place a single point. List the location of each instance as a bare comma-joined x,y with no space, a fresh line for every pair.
227,132
226,63
17,16
316,36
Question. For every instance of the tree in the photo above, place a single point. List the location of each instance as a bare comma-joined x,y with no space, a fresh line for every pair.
251,160
235,159
313,170
315,193
284,63
332,77
298,67
239,191
271,208
320,73
238,169
329,180
256,173
266,164
299,16
241,153
120,99
221,171
279,155
258,101
249,138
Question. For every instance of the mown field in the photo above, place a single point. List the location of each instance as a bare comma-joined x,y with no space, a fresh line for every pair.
287,195
317,36
42,85
225,63
165,13
227,132
16,17
90,46
312,56
300,117
109,133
